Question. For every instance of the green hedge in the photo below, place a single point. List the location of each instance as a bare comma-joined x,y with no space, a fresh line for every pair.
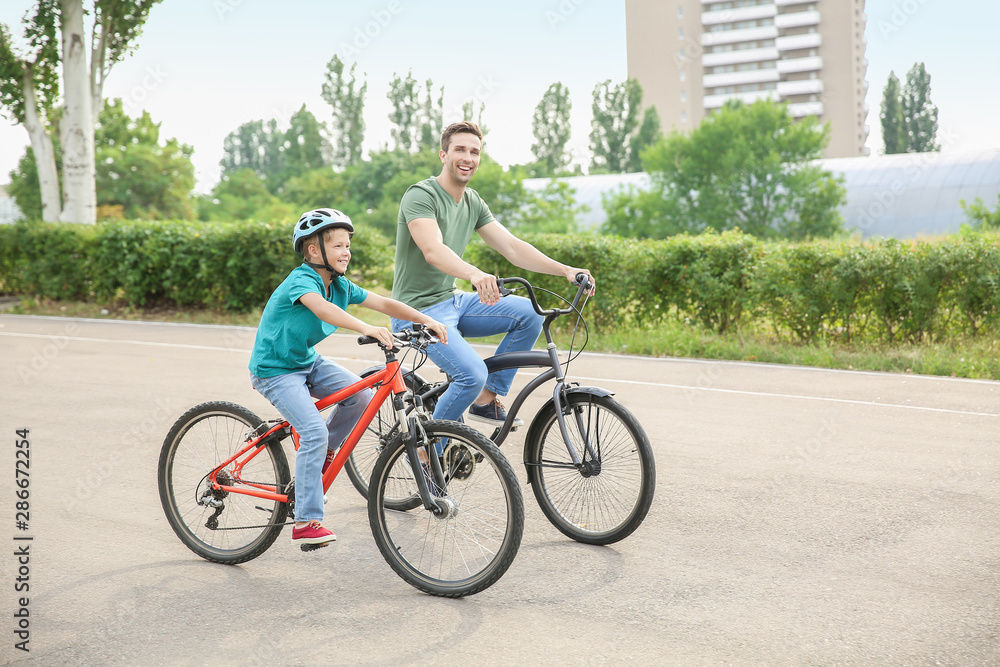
232,266
886,290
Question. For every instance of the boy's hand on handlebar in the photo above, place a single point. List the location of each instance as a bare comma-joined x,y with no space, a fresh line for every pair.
571,274
486,286
439,329
381,334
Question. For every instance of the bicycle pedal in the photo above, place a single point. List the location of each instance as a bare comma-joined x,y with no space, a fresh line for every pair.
313,547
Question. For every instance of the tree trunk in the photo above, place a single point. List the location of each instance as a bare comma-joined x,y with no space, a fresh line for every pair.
77,126
45,155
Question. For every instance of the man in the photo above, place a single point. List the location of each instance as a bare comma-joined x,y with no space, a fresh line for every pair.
436,219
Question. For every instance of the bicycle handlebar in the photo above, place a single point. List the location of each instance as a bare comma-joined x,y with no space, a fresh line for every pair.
583,285
417,336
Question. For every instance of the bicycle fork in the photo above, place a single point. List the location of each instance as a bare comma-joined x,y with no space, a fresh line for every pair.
593,466
415,439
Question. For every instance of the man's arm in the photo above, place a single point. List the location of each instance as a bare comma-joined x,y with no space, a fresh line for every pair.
524,255
426,233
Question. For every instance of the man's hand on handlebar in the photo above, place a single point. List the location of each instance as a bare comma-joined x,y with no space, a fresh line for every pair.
571,275
486,286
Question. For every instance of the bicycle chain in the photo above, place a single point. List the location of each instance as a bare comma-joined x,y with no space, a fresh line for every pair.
265,525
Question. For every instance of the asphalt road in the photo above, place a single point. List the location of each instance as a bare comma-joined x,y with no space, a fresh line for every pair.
802,516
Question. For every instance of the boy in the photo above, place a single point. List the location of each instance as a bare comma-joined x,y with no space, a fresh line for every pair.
309,305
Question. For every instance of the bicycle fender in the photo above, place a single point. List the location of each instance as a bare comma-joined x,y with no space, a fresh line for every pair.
534,430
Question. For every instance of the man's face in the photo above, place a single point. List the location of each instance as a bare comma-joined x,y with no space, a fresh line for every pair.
461,160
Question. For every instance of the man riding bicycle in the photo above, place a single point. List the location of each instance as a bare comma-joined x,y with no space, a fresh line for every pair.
435,223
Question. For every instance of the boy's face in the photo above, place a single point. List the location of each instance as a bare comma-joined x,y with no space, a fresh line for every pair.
338,250
461,160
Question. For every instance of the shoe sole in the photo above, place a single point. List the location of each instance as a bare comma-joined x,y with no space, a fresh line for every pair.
494,422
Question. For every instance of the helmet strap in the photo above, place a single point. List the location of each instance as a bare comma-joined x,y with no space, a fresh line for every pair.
326,265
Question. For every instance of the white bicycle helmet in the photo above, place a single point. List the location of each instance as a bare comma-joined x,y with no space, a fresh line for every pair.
316,221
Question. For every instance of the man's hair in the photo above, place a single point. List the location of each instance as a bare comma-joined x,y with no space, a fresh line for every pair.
455,128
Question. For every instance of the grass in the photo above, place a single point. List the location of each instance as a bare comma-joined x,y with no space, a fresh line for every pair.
968,358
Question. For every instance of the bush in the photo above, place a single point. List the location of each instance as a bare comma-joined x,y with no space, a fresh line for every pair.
232,266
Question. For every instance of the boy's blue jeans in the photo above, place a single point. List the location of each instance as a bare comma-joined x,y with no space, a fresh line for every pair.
292,394
464,315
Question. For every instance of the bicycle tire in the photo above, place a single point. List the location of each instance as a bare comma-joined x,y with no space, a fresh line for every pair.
199,440
467,551
590,506
362,460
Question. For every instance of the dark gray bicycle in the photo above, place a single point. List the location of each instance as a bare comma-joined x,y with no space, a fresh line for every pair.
588,460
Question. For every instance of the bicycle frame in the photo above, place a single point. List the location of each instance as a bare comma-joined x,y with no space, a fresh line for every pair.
392,386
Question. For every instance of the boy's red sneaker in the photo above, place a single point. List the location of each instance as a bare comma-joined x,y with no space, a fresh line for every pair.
331,454
312,535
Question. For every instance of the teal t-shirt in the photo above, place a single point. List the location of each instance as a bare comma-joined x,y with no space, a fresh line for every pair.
416,283
288,331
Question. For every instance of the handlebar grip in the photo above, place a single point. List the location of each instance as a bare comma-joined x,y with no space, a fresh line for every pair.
366,340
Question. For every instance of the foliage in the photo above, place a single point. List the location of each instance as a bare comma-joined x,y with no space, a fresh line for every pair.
980,215
647,135
909,119
242,195
137,173
347,128
551,128
885,292
891,117
921,115
553,211
416,120
40,66
276,155
615,117
229,265
744,167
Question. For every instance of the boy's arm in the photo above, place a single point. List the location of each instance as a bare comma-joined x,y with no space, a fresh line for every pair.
401,311
338,317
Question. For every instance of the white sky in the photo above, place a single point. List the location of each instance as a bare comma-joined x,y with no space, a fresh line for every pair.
204,67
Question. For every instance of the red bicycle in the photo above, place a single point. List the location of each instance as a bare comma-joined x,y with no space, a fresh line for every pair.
449,526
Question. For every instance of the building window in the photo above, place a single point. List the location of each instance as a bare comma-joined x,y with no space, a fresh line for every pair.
683,96
683,75
680,33
681,53
680,12
684,116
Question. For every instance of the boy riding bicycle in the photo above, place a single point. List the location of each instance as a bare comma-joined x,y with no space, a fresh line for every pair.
309,305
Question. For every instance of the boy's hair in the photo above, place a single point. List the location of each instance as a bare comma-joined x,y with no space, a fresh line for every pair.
455,128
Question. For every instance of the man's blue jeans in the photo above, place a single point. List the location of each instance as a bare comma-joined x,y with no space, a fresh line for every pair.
464,315
292,394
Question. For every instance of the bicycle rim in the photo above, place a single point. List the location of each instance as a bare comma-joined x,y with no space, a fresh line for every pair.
200,440
608,499
468,550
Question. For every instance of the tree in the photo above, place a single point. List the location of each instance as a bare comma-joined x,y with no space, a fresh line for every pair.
551,127
920,114
615,109
135,173
979,214
275,155
348,127
403,95
417,123
648,134
891,116
242,195
746,167
116,26
29,89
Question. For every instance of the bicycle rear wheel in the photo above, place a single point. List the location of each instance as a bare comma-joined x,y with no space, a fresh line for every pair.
362,460
602,501
220,526
471,543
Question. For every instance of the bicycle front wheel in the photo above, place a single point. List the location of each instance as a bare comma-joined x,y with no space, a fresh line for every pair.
600,501
468,545
220,526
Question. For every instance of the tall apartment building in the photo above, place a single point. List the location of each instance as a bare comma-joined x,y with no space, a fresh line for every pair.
690,56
